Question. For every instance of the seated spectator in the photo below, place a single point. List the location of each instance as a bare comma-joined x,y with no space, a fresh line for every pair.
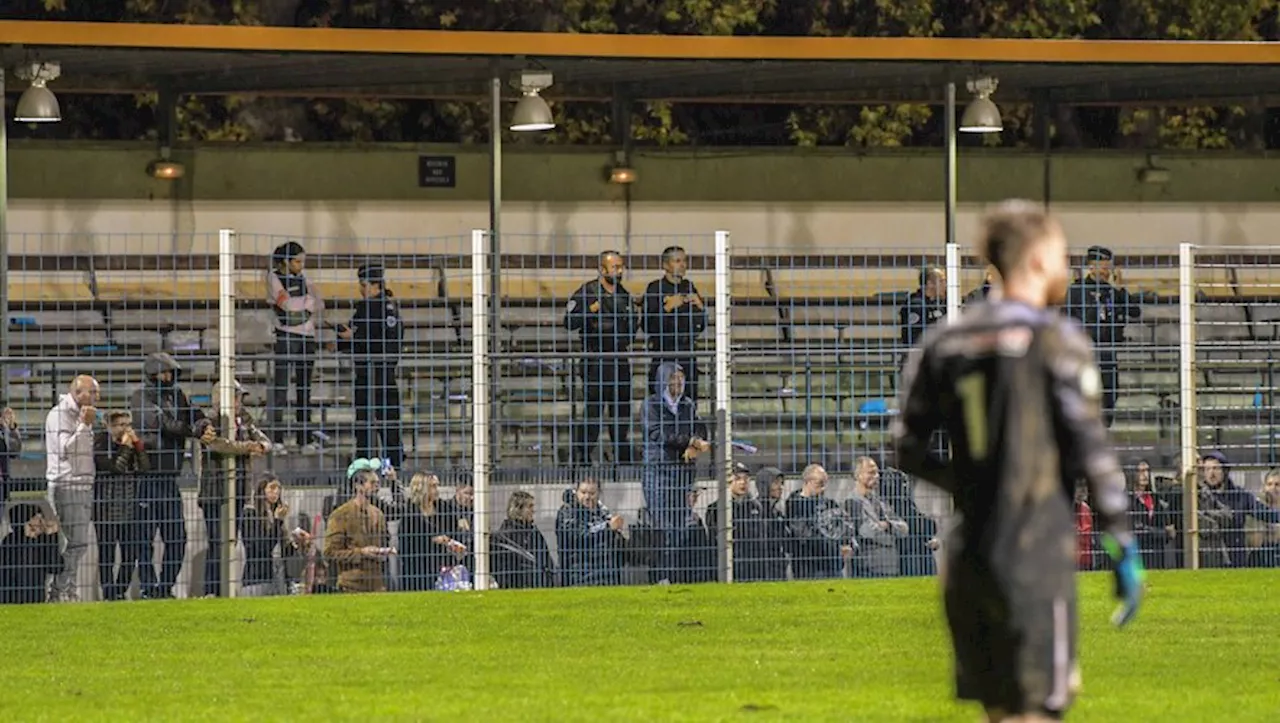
1265,537
355,537
591,539
264,533
1223,509
119,458
462,509
28,555
916,550
10,448
520,554
1144,517
824,536
758,549
673,439
427,533
694,554
878,527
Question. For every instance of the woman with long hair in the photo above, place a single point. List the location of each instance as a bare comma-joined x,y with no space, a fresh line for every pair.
1144,516
426,534
264,531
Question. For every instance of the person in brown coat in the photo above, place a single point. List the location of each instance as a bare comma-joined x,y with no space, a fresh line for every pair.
355,538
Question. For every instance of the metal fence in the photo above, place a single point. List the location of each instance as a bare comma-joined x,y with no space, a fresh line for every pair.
531,418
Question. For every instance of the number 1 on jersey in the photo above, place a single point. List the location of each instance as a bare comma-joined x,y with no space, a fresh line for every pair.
972,388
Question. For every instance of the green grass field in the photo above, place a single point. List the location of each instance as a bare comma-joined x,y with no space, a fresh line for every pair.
1205,648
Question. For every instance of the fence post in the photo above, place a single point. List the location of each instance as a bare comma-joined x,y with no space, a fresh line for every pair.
724,403
480,400
227,400
953,281
1187,398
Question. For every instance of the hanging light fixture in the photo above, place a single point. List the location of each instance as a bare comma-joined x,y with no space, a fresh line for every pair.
981,115
38,104
532,112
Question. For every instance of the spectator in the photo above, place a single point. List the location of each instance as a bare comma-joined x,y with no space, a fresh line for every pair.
69,469
1171,516
1144,517
264,532
603,312
770,484
1266,536
427,533
591,539
119,458
298,309
924,307
238,438
1103,309
1084,527
990,280
824,535
166,421
758,552
916,549
373,339
1223,509
673,440
355,537
520,554
28,555
10,448
694,554
878,527
462,510
674,316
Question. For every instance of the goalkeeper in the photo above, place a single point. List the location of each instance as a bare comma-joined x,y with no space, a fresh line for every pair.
1014,385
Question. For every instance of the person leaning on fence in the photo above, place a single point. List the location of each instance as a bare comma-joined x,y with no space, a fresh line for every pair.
1103,308
519,552
603,312
69,470
355,537
674,317
373,339
119,457
10,448
28,555
246,442
166,421
298,310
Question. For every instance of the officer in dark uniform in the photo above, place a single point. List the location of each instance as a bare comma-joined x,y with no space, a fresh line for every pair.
373,339
605,315
989,281
924,307
674,316
1103,309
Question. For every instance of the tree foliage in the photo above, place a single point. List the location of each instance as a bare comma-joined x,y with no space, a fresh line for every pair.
867,126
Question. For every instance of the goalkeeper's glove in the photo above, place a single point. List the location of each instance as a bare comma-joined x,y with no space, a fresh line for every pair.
1130,576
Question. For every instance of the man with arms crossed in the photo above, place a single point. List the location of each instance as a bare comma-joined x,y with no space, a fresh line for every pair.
1015,387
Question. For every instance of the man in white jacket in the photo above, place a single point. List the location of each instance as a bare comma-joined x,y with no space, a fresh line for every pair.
68,436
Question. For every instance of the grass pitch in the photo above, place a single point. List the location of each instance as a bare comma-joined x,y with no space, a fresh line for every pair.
1206,647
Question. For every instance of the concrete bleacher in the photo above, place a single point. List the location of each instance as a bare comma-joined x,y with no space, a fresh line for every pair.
815,348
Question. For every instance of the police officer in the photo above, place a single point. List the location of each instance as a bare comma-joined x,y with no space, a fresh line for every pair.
373,339
603,312
1103,309
925,306
990,280
674,316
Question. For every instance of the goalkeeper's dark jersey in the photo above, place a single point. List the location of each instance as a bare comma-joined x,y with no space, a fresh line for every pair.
1016,390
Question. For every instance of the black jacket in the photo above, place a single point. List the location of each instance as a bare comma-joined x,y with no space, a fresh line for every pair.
672,330
610,329
379,331
165,420
115,484
521,557
1102,309
759,540
918,314
591,553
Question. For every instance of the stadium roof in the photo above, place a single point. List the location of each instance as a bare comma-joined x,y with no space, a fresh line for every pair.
125,57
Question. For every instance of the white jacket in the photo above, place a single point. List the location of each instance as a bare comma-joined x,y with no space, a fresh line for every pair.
68,445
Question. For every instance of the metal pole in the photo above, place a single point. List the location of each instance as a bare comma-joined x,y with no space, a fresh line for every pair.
1046,144
1187,398
227,397
495,240
724,405
951,163
953,282
480,370
4,246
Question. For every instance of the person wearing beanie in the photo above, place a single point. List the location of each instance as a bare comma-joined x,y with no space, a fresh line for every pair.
298,309
1103,308
373,340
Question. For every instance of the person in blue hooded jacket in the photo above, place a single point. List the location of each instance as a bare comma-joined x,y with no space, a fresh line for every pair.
1227,506
673,439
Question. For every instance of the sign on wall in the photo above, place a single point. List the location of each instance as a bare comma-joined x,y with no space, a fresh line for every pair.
437,171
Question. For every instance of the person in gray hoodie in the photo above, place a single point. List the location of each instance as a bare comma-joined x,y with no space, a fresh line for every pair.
879,526
165,420
69,469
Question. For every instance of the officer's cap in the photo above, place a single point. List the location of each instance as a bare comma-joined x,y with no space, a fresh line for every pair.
1098,253
371,273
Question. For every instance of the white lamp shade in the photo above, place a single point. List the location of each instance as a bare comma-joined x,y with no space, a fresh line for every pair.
38,104
981,116
532,114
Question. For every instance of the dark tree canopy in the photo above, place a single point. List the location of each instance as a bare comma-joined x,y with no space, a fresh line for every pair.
871,126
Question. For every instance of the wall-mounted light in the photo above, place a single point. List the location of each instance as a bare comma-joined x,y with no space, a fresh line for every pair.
166,169
532,112
38,104
982,115
622,174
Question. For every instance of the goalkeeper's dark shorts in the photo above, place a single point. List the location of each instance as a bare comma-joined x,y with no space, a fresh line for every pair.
1015,645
